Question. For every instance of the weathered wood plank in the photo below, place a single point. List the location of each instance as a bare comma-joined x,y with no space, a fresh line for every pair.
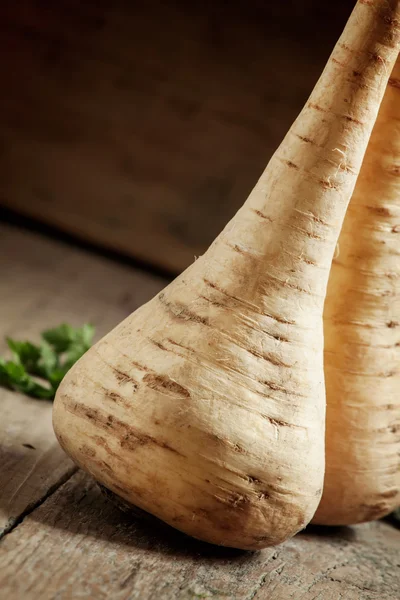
75,543
78,545
144,125
43,284
32,463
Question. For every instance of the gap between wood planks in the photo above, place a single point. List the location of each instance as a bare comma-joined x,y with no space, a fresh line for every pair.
31,507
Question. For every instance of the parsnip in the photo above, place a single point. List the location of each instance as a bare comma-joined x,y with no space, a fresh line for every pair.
362,337
206,407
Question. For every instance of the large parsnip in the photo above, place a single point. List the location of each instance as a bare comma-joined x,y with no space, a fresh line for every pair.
206,407
362,337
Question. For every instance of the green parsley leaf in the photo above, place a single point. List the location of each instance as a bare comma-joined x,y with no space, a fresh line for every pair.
26,353
49,361
60,337
65,336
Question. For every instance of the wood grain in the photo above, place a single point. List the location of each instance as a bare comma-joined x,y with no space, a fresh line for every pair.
78,545
32,462
143,126
43,284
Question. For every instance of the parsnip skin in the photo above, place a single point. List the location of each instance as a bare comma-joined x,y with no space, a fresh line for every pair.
206,407
362,337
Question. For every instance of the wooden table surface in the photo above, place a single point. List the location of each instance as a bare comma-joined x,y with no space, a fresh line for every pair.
61,539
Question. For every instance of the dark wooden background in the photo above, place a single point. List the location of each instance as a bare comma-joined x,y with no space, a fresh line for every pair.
142,126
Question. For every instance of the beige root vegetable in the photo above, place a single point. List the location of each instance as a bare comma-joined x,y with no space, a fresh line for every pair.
206,407
362,337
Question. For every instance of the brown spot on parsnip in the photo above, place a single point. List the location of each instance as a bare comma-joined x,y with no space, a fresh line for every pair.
338,62
347,169
254,480
101,441
376,57
89,413
238,249
327,184
353,120
262,215
317,107
389,374
392,324
212,301
305,139
214,437
308,261
103,465
390,21
360,84
116,398
129,436
238,500
215,286
29,446
87,451
233,500
274,386
180,311
163,383
373,511
277,422
279,319
317,219
310,234
173,343
269,357
264,538
264,495
294,286
278,336
395,170
139,366
133,439
390,494
123,377
254,309
238,448
158,344
291,164
220,441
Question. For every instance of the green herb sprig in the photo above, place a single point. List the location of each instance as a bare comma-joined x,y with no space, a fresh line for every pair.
37,369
